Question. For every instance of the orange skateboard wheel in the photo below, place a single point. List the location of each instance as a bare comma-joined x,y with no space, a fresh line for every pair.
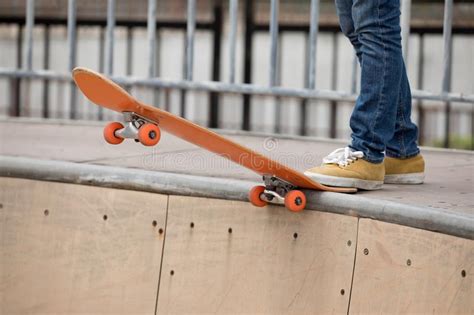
254,196
295,200
149,134
109,133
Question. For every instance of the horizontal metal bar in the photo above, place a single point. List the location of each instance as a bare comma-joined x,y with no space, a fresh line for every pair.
259,27
440,220
222,87
414,29
96,22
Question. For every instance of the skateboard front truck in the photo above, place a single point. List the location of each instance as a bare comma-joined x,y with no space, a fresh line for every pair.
277,191
137,128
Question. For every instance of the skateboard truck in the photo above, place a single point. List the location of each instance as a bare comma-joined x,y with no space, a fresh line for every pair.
138,128
277,191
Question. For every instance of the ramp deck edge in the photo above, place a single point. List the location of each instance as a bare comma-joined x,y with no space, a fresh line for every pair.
438,220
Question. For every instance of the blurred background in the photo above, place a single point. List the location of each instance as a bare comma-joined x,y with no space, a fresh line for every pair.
296,76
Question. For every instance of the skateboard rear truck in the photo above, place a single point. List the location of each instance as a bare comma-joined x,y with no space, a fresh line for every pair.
277,191
138,128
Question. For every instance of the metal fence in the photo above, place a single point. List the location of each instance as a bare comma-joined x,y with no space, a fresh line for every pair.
228,85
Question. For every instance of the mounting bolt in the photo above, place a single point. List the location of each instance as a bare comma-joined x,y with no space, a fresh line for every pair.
366,251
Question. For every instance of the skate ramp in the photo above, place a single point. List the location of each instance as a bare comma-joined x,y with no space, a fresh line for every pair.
69,248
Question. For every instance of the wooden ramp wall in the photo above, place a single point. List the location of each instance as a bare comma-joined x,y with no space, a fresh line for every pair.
80,249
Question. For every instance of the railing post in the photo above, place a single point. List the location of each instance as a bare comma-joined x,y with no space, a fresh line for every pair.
313,37
274,11
216,66
109,45
129,52
333,104
46,67
233,13
110,38
248,47
421,110
190,29
447,63
405,24
151,33
15,98
30,21
71,38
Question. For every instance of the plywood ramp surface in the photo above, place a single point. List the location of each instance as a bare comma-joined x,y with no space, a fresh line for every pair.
59,254
225,256
409,271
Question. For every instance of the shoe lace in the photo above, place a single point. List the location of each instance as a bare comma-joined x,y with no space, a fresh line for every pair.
343,157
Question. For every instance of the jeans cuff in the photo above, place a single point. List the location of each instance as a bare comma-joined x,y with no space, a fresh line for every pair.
393,154
367,156
373,161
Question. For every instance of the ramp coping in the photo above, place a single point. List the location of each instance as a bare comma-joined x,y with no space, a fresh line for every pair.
438,220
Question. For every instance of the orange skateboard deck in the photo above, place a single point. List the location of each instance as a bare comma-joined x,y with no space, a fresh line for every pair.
144,123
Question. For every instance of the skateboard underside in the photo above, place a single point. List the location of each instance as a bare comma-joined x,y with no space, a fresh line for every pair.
143,123
275,190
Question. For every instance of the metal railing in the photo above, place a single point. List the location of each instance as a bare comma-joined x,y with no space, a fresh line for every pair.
246,89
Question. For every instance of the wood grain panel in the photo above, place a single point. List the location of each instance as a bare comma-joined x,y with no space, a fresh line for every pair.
409,271
260,265
75,260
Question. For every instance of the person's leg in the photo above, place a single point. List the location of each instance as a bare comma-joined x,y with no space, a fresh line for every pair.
373,120
344,12
403,162
404,141
345,167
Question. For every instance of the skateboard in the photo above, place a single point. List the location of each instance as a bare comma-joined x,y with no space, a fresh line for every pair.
143,123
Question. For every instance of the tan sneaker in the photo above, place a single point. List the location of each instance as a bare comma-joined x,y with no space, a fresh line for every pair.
404,171
346,168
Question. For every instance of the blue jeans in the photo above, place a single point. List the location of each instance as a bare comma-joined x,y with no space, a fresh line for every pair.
380,121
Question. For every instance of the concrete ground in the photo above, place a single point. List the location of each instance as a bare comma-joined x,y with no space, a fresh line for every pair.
449,174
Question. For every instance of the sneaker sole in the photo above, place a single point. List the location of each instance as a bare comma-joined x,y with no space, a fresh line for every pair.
406,179
346,182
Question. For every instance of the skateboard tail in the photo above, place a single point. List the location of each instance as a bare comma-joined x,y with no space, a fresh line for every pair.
102,91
